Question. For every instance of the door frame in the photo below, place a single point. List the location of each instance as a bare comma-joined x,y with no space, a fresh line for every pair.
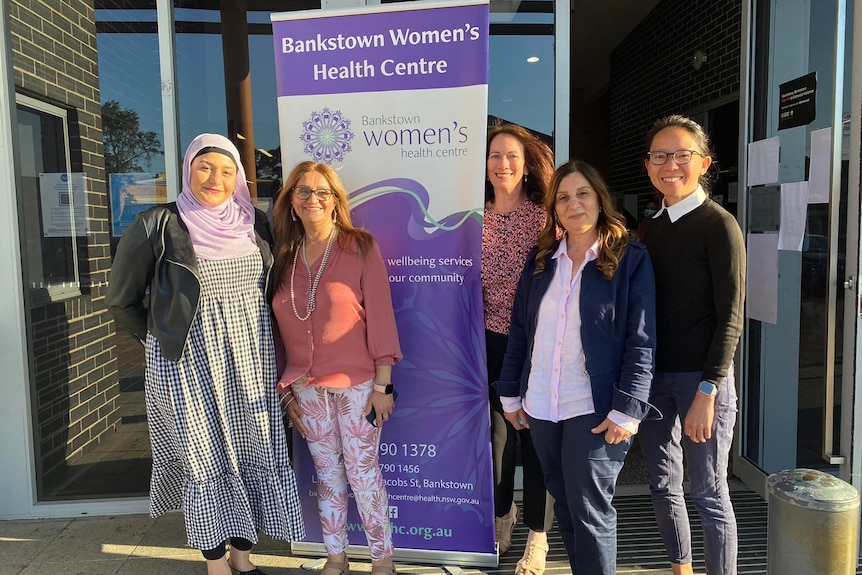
851,411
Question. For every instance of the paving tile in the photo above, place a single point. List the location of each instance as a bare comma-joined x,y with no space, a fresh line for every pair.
165,538
127,545
91,538
22,541
266,544
195,565
74,568
169,565
271,561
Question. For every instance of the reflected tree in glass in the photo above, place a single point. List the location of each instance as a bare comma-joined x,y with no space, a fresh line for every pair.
126,145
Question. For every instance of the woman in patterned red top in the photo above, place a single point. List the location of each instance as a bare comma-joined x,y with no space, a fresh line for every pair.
519,168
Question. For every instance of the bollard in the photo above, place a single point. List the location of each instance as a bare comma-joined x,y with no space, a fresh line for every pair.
813,526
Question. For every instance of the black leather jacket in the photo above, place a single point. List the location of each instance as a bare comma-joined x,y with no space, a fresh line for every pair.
156,252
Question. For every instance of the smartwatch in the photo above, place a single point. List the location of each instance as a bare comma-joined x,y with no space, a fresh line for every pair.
387,389
707,388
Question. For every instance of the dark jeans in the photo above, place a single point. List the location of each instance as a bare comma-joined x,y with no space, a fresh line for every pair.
581,471
538,507
663,445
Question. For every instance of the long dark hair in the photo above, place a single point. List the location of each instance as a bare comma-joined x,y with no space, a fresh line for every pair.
289,231
538,161
613,236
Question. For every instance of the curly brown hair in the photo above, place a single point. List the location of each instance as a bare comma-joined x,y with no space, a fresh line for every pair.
613,236
538,161
288,230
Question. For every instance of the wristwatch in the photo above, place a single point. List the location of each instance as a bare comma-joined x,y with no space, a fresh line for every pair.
387,389
707,388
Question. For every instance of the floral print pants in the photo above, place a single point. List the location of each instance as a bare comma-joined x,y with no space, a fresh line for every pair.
344,446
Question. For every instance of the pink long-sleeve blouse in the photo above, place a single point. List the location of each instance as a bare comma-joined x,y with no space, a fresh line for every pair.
352,328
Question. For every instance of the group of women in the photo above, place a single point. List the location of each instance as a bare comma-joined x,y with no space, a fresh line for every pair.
604,337
205,285
591,337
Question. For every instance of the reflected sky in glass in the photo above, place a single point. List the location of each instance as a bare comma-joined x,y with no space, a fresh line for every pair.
519,91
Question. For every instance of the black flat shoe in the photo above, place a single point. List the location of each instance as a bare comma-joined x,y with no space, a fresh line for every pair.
254,571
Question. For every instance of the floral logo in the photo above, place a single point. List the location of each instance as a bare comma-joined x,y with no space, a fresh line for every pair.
326,136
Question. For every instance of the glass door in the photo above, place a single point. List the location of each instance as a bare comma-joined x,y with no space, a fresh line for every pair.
793,376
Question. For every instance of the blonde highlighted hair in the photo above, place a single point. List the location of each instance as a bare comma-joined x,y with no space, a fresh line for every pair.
287,226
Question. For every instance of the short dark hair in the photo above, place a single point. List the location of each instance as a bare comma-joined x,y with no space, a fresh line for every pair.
697,132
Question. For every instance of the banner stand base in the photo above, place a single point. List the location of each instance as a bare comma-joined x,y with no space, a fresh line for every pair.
449,561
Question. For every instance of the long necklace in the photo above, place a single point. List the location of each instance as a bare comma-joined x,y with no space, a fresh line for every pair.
312,291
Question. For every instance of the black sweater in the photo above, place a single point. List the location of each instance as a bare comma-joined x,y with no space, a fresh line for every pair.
699,264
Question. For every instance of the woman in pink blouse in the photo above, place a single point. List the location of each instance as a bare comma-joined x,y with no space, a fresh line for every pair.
519,167
334,313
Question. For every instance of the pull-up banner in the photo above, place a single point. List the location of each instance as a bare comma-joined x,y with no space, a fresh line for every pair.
395,98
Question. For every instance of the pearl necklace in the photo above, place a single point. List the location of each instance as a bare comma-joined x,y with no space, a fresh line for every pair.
312,291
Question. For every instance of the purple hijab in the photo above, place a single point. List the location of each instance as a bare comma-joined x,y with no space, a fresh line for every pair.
224,231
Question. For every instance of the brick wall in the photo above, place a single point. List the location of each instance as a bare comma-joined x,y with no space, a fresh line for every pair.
652,75
73,357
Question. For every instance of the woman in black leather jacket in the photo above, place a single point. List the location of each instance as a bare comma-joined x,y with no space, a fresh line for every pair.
190,280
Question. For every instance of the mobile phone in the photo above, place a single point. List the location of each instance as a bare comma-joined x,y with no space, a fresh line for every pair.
372,416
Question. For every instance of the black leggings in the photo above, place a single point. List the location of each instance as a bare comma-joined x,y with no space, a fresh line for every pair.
538,506
237,543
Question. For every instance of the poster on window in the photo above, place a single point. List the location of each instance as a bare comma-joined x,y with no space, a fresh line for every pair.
64,205
394,97
132,194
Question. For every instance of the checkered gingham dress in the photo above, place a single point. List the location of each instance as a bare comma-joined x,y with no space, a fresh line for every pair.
219,446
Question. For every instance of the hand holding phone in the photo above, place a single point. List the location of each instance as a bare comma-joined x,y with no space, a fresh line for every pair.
372,415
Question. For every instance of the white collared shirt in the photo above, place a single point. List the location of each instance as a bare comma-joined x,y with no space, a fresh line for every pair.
684,206
559,386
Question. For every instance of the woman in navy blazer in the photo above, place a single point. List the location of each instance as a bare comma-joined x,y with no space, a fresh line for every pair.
580,356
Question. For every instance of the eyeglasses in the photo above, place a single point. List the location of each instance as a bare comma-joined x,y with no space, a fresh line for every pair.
303,193
680,157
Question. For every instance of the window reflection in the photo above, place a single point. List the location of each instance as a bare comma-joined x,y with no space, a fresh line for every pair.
519,91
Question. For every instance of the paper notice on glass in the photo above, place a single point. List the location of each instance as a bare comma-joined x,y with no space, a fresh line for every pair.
761,299
794,210
820,166
64,205
763,161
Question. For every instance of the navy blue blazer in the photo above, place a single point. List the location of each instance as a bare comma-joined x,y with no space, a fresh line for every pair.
617,331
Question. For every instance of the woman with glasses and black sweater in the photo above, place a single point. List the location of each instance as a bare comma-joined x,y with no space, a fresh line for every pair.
698,255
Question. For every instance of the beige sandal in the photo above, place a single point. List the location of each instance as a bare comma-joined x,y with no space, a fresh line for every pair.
336,568
504,527
535,555
383,570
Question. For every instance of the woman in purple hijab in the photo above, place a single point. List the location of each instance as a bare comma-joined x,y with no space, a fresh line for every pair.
191,281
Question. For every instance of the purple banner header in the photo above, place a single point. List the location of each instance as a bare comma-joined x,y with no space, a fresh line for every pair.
381,51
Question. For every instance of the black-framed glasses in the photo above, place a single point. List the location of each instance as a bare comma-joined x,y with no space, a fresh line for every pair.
680,157
304,192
